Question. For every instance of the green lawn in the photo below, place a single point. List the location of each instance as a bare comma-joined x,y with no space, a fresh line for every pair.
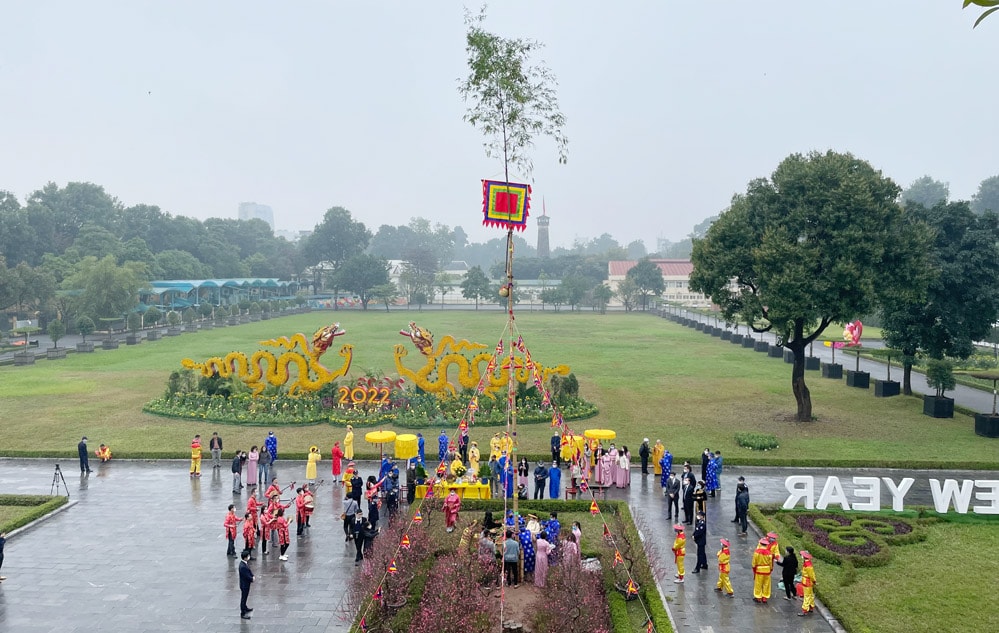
650,378
10,514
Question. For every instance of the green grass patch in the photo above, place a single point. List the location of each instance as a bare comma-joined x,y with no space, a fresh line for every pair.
757,441
631,367
19,510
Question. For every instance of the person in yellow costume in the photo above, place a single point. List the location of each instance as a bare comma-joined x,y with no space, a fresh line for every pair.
506,444
310,468
807,584
657,454
348,443
724,560
196,456
495,447
763,564
679,551
103,453
455,465
473,458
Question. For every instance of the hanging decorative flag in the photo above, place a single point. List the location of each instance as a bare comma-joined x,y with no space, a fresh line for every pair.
418,518
649,628
607,533
520,344
378,593
392,569
594,509
499,348
632,589
554,420
545,400
584,485
364,625
473,404
405,542
618,559
505,204
429,495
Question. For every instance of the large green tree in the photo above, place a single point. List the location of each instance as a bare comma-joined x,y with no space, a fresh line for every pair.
475,285
335,240
361,274
927,192
987,197
809,246
648,279
109,290
962,298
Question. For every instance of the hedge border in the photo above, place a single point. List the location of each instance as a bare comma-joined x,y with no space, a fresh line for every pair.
48,504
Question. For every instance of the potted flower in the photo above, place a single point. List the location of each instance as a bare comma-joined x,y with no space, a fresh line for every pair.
151,318
485,473
134,323
85,326
855,377
939,376
173,323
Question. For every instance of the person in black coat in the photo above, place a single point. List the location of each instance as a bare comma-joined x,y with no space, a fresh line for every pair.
556,446
356,486
688,485
672,493
742,508
540,478
81,448
701,540
742,480
705,458
644,453
357,533
789,569
245,579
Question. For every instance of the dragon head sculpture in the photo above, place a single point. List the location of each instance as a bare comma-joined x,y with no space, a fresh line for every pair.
323,338
421,337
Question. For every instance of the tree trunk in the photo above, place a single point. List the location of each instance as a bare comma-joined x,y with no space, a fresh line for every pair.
801,394
907,377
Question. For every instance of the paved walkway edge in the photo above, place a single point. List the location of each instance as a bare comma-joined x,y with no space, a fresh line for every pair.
659,587
42,519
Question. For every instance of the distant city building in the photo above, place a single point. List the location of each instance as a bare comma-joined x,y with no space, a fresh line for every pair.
254,211
543,220
676,275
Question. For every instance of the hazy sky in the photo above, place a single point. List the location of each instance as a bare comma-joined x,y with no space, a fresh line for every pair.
672,106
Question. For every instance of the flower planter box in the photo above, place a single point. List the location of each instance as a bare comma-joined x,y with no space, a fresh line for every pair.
174,331
233,320
716,331
56,354
153,335
935,407
191,327
133,339
775,351
886,388
761,346
737,339
858,379
726,335
749,342
254,318
832,370
699,326
109,344
788,356
986,425
24,359
812,363
85,348
244,318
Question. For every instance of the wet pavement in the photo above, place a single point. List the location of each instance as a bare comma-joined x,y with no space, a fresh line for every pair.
143,550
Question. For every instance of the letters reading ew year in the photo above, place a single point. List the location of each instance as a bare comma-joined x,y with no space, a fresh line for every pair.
868,492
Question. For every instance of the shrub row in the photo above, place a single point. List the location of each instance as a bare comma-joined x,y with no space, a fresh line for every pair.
48,504
757,441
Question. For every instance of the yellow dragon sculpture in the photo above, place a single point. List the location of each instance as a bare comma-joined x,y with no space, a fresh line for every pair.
263,367
433,376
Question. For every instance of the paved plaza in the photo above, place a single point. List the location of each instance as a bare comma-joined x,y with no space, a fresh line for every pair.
143,550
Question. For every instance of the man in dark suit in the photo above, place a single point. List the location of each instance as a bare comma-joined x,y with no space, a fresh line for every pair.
81,448
672,492
688,484
245,578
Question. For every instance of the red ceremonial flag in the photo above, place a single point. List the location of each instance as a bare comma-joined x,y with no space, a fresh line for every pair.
632,589
606,531
405,541
594,509
617,558
520,344
554,420
583,485
364,625
648,627
392,569
505,204
378,593
418,518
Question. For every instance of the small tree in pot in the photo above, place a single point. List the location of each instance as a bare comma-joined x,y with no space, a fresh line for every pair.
939,376
173,320
151,318
56,330
85,326
134,323
988,425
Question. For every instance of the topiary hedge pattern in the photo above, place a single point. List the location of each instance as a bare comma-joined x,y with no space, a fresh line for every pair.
757,441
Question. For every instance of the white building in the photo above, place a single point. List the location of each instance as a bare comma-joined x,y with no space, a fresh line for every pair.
676,275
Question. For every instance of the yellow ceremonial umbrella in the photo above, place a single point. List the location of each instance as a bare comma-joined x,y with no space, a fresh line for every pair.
599,434
406,446
379,438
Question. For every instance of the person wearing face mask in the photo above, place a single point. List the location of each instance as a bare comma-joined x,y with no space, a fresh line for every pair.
671,490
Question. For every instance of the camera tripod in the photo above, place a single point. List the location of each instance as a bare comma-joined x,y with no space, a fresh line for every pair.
56,478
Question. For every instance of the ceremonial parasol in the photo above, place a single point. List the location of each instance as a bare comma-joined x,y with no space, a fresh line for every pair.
406,446
379,438
599,434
